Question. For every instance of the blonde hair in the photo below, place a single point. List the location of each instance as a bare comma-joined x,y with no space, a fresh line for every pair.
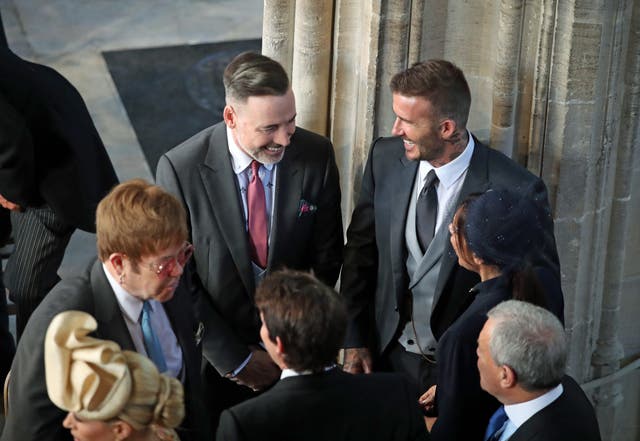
155,398
137,218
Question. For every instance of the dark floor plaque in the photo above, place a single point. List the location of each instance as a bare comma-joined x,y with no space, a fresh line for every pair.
173,92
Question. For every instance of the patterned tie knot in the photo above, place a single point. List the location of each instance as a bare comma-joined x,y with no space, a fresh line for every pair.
255,167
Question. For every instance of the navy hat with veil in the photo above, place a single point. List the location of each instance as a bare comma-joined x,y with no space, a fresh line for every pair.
505,228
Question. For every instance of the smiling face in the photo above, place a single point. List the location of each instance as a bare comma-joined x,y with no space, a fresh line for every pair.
142,281
418,126
262,126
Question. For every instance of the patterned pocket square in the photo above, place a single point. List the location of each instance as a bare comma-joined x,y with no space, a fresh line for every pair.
305,208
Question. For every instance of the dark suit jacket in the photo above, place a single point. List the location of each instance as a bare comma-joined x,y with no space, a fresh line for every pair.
58,158
374,275
32,416
333,405
199,173
570,417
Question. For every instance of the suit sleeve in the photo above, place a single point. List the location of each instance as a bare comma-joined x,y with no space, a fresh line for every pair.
359,271
17,160
220,345
228,429
328,233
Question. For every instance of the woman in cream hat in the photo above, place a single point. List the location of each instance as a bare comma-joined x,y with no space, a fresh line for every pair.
110,394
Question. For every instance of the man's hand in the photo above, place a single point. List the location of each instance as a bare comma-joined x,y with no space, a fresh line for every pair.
9,205
260,372
357,361
428,399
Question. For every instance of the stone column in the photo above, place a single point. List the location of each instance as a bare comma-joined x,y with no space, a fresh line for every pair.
506,76
392,58
621,124
277,31
311,75
354,69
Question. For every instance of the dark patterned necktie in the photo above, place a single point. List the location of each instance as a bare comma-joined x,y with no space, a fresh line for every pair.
427,211
257,217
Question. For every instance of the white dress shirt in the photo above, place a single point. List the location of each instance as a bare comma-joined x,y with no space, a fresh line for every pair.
450,179
131,309
519,413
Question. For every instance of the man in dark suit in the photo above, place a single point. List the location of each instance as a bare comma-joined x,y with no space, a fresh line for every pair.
54,170
142,248
522,355
401,278
260,194
303,325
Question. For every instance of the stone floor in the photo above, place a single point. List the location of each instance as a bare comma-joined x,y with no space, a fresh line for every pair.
70,36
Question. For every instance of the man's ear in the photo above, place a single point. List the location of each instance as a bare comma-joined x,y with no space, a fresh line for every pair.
121,429
447,128
117,261
279,347
508,377
229,116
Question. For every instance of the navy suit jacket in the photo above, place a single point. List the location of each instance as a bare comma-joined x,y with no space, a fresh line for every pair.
32,416
570,417
333,406
55,156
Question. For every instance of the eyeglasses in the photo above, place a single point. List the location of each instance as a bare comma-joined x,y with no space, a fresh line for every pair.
167,265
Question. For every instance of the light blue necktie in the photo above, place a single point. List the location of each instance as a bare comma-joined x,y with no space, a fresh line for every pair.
496,423
151,342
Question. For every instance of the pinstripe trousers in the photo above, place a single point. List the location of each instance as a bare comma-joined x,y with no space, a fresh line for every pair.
32,270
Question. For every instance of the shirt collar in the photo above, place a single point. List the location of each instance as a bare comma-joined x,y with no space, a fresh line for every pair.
240,161
130,305
449,173
291,373
521,412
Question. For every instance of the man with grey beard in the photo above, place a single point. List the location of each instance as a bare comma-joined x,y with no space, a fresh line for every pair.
260,194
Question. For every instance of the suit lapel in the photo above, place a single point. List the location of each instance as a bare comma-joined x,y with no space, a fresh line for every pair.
287,199
476,181
403,187
111,325
220,182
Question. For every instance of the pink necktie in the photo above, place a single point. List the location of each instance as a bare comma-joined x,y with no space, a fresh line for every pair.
257,214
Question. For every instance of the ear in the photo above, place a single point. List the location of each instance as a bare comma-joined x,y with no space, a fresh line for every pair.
121,429
478,261
279,347
117,261
447,128
508,377
229,116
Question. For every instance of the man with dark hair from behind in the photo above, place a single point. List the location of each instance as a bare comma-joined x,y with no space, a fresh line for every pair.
303,327
522,356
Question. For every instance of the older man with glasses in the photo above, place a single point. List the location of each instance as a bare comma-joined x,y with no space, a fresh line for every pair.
133,292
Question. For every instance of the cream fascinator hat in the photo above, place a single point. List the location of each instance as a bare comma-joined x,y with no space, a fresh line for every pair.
84,375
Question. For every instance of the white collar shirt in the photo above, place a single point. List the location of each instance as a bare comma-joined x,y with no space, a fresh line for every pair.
450,179
519,413
131,309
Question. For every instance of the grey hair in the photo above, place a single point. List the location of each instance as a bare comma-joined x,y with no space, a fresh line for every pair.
252,74
531,341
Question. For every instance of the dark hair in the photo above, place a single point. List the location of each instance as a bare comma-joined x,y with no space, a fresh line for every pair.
252,74
504,229
439,81
308,316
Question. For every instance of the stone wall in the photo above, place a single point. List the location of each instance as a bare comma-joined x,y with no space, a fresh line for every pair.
555,85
